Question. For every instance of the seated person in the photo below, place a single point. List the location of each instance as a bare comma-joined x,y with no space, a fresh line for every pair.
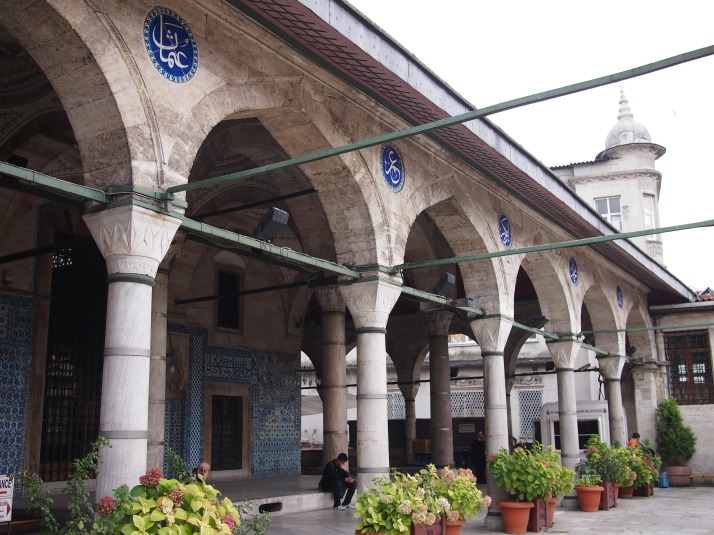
336,479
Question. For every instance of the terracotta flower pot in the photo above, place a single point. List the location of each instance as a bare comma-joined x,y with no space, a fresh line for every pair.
550,511
515,516
589,498
679,476
454,528
627,492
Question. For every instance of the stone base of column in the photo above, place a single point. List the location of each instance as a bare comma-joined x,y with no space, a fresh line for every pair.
493,521
570,502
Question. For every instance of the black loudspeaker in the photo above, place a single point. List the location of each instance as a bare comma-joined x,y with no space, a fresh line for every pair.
446,282
270,224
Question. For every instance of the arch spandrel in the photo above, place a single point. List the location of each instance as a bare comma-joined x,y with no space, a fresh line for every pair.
546,272
73,57
640,343
604,316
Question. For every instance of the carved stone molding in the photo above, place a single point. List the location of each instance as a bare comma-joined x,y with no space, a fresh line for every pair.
491,333
132,239
439,321
330,298
563,352
370,302
611,366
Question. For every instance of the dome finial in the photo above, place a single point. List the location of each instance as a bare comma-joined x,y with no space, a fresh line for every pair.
624,105
627,130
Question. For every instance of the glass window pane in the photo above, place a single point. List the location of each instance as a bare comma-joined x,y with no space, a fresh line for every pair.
601,206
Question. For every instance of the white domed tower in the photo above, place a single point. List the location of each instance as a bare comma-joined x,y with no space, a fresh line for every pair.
622,183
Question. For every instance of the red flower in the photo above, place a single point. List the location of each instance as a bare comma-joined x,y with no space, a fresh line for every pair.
151,478
106,506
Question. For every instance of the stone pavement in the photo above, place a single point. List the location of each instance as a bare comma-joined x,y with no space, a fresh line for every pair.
681,511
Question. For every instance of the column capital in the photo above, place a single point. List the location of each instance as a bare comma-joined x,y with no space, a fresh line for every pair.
438,321
491,332
330,298
132,239
563,352
611,366
370,302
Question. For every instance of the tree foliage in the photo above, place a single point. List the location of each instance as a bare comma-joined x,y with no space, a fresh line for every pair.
676,442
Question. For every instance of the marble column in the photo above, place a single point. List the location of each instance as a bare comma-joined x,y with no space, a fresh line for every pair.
442,437
645,381
563,352
369,304
157,373
133,241
491,333
334,373
409,393
611,369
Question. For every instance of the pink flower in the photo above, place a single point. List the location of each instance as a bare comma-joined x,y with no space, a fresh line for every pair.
448,475
106,506
229,521
151,478
453,516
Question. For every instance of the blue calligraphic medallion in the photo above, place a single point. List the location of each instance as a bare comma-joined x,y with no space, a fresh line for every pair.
170,45
393,167
574,275
504,229
620,300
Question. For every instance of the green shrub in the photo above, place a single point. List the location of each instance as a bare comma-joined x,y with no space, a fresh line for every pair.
676,442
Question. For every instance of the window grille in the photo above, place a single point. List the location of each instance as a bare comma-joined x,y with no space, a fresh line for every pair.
395,406
530,403
73,370
467,405
690,374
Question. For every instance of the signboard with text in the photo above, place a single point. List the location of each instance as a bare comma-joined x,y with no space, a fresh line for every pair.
6,487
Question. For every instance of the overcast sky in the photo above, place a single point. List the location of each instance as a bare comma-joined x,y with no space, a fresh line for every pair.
491,51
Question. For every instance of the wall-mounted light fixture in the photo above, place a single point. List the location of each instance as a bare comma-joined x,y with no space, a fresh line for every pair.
270,224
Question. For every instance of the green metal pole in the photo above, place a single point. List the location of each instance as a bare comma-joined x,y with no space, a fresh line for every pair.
449,121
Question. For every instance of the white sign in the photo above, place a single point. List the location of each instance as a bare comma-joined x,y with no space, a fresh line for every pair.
6,487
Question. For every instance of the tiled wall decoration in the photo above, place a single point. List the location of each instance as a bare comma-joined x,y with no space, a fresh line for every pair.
17,318
275,416
275,403
173,430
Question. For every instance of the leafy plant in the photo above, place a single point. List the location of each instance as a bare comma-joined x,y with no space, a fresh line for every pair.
610,462
178,467
166,506
676,442
392,505
452,492
80,507
642,467
587,474
531,474
160,506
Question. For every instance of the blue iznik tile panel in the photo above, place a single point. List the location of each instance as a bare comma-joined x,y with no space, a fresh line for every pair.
173,429
275,416
16,326
275,403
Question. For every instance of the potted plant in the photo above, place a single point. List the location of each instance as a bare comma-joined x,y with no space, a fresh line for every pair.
454,493
525,476
611,464
676,443
588,486
394,504
157,505
561,482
